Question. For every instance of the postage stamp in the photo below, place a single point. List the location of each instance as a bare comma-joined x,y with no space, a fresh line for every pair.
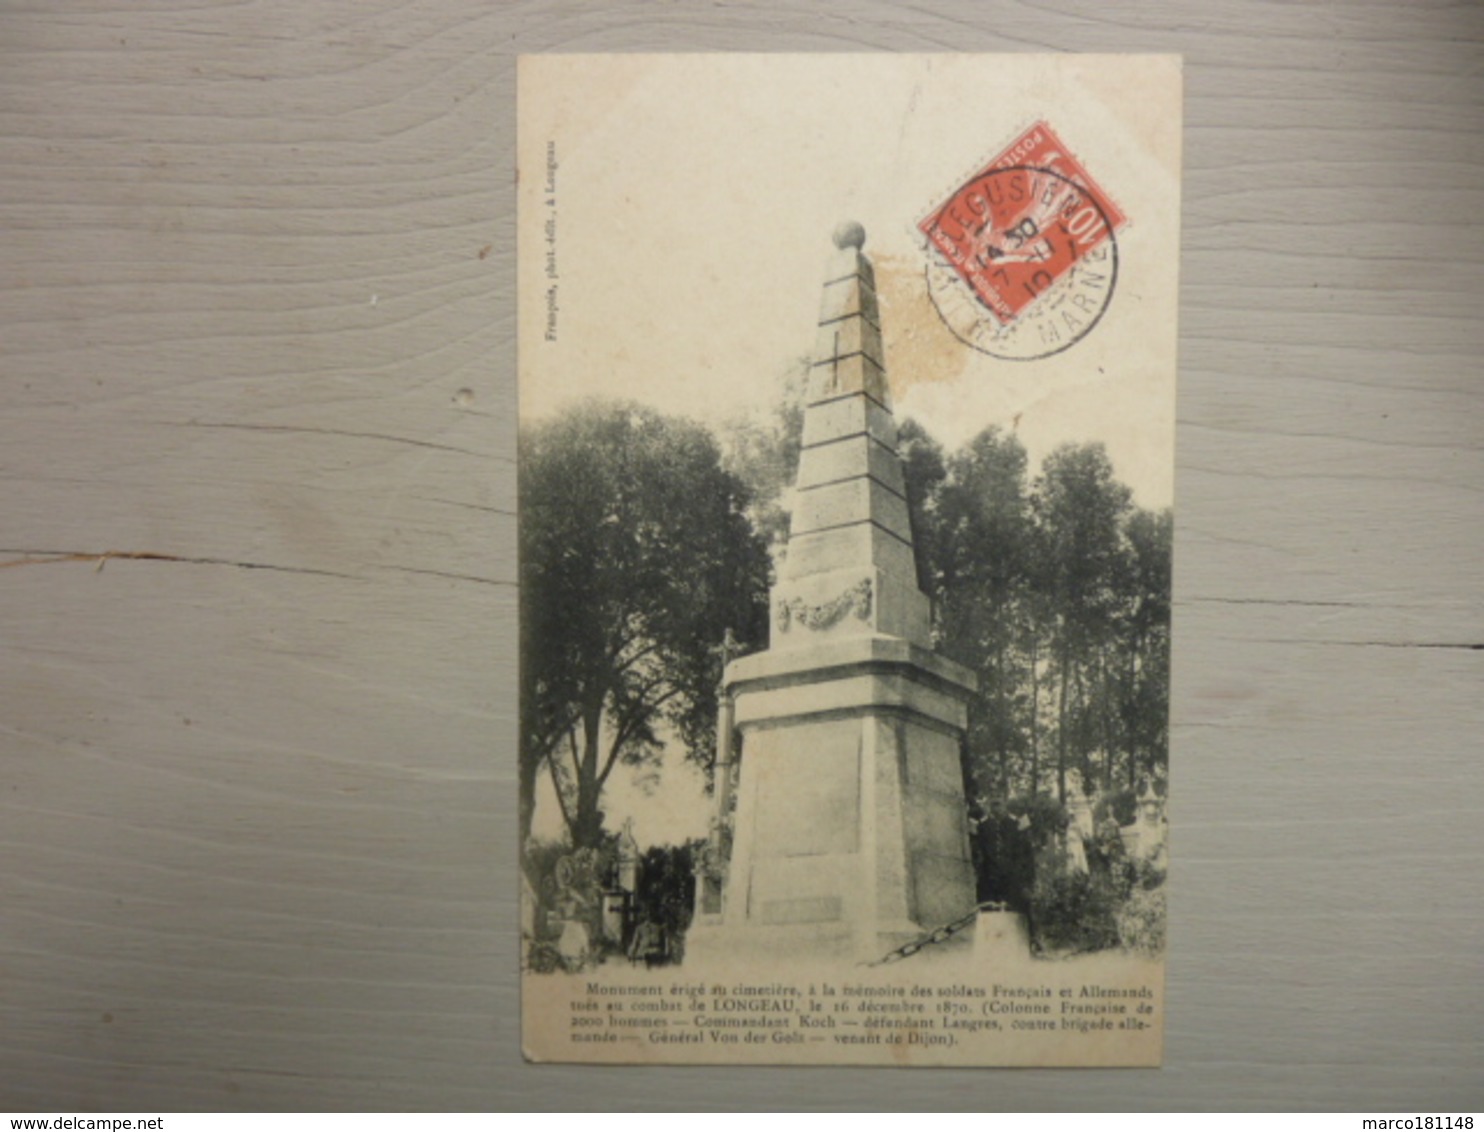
1024,254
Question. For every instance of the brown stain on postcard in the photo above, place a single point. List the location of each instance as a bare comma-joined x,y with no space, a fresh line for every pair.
920,348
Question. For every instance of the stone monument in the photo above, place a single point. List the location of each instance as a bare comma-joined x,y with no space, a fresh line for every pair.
850,833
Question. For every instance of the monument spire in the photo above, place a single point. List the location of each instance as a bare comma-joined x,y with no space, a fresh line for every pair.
850,568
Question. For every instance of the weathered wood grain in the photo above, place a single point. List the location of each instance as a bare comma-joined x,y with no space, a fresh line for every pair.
256,770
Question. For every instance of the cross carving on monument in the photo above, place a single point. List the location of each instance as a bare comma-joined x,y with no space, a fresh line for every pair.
729,648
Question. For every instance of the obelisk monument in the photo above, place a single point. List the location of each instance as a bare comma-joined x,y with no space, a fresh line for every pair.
850,834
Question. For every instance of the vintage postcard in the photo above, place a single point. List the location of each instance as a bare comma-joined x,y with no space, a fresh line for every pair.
847,402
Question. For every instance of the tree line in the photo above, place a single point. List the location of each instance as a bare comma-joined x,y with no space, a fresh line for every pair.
637,555
645,538
1055,590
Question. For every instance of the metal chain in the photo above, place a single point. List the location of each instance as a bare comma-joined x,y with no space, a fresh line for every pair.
938,935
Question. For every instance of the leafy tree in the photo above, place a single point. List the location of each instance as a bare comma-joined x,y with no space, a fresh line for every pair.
981,552
924,472
1146,637
1073,911
636,557
764,454
1080,508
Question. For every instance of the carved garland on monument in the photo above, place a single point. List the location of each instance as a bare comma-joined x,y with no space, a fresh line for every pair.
856,599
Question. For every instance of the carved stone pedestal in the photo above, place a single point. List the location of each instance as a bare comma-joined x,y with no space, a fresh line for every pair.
851,835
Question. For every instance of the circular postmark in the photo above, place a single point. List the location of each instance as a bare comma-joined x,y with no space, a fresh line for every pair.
1022,262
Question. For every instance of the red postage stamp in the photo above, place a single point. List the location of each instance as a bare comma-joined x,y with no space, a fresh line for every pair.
1023,224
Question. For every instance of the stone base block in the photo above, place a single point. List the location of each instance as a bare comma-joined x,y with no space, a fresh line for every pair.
804,944
1001,938
851,833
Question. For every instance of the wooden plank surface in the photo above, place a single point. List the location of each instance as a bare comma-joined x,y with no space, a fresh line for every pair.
257,767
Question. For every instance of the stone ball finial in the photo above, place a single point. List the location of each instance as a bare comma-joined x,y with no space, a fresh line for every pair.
849,234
